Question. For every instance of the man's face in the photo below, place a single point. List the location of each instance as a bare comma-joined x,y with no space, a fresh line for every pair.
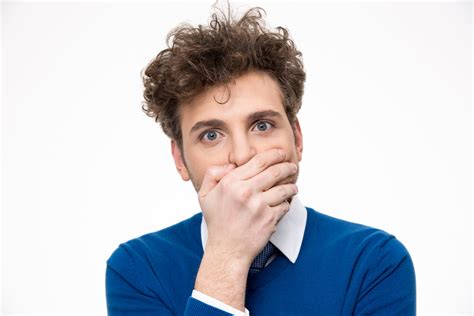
252,120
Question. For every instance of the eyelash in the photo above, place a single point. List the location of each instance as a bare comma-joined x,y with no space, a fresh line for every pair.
271,125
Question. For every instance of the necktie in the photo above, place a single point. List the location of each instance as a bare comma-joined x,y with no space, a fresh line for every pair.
259,261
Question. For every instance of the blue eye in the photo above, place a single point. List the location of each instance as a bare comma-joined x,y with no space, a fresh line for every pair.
213,135
210,135
263,126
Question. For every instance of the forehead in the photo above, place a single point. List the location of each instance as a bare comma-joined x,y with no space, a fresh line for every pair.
252,92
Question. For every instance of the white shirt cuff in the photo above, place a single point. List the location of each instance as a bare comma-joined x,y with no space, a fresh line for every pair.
218,304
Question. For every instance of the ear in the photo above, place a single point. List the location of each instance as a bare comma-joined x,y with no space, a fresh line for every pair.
179,161
298,139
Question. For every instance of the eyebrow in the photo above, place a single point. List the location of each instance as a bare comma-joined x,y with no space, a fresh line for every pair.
252,117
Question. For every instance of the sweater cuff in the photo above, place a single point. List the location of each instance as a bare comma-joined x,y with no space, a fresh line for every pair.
218,304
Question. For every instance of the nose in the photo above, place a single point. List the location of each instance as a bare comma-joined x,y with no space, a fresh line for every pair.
241,151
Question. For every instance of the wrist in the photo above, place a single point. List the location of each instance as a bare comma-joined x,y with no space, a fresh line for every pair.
225,260
224,279
237,260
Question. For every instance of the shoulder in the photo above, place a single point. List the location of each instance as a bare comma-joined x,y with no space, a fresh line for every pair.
374,265
365,242
145,268
180,236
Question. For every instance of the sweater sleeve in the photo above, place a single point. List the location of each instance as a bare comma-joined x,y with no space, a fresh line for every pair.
126,294
389,287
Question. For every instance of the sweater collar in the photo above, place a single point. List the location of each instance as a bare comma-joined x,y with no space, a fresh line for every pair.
288,236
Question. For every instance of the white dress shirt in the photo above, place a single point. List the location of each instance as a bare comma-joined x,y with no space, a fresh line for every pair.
287,238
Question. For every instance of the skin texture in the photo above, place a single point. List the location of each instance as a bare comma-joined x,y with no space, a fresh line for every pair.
242,157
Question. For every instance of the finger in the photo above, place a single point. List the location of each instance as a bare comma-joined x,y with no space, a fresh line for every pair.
290,179
280,210
259,162
279,194
272,175
213,175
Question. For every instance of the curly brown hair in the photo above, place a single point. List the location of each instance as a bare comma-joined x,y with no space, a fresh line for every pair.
215,54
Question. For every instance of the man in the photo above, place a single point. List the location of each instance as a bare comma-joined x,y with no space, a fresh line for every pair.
227,95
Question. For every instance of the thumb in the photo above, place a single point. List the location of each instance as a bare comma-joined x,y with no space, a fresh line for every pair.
213,175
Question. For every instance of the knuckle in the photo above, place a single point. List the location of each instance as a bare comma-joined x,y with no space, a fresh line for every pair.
225,184
260,204
279,154
257,205
276,172
282,192
244,194
211,172
259,162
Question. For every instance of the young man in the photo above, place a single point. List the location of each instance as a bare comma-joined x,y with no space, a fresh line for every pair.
227,95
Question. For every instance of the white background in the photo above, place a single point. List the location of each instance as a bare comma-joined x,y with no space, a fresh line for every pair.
386,121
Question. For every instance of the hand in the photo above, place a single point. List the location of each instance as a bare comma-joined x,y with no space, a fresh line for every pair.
243,205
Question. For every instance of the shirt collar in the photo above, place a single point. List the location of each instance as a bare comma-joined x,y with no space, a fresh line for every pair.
289,233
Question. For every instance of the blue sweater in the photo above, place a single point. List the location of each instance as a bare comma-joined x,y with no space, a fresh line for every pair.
343,268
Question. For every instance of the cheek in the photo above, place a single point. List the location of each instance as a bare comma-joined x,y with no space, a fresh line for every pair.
287,144
199,161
